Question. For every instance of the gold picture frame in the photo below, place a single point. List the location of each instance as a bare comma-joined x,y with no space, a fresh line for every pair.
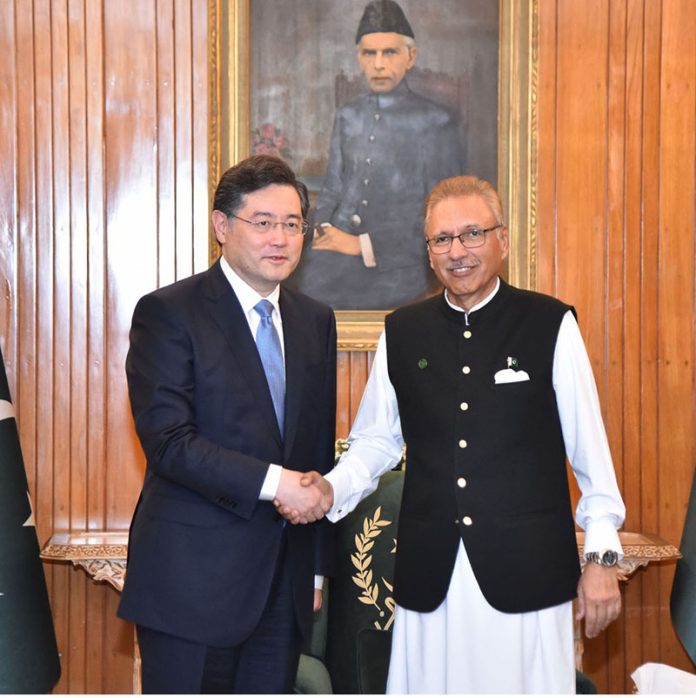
228,134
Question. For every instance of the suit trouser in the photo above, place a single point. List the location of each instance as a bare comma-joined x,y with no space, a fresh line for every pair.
265,662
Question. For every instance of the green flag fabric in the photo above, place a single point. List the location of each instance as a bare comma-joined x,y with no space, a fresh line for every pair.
683,602
29,661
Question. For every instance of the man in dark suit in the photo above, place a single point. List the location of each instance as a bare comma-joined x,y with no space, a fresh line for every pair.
232,385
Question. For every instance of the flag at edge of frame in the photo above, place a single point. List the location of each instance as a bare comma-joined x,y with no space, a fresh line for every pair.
29,659
683,599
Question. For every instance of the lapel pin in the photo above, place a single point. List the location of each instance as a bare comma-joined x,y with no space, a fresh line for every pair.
422,363
512,362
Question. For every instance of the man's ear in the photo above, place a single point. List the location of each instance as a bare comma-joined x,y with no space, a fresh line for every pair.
412,52
220,225
504,237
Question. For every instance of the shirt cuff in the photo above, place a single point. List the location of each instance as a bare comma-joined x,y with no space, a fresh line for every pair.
270,484
602,535
340,481
368,254
319,581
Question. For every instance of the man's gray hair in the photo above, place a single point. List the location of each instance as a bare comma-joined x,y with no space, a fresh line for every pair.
465,186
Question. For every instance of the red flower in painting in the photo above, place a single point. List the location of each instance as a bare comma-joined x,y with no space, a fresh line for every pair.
267,131
267,139
281,142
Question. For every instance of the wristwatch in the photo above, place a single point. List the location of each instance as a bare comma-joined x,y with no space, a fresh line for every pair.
605,558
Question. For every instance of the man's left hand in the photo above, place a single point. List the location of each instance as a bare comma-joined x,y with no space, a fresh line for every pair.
317,600
336,240
599,598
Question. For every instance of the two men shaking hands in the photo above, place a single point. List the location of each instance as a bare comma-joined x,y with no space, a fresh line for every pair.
303,498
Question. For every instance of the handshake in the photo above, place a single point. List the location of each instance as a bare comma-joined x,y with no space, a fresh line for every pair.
303,497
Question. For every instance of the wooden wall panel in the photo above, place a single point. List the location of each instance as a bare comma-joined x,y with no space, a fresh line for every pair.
103,197
95,243
616,239
676,300
352,371
631,230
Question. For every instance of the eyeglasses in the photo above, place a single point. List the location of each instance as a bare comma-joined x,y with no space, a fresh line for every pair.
265,225
471,237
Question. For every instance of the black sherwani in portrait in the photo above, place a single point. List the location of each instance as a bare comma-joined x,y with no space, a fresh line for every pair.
203,548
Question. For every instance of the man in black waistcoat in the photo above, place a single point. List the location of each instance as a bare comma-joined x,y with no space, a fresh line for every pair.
389,148
490,387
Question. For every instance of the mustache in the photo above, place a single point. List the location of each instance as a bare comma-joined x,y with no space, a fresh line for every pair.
462,264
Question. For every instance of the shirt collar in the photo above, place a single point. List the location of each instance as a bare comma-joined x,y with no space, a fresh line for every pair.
479,305
246,295
387,99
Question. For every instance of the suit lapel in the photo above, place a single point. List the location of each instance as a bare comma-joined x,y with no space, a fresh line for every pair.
293,337
228,315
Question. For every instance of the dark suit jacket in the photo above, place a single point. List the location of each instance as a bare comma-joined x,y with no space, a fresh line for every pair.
203,548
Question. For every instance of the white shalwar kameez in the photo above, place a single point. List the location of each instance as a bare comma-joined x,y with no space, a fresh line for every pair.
465,645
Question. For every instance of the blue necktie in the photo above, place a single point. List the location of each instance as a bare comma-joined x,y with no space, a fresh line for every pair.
268,344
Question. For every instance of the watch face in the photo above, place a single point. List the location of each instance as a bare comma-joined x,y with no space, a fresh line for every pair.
609,558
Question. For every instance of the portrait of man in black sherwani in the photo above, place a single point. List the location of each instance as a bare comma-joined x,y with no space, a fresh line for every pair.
389,147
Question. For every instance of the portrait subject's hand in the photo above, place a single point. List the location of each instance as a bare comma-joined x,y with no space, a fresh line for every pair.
304,500
311,481
318,597
599,598
336,240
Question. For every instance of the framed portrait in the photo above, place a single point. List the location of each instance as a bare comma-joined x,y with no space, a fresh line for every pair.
289,79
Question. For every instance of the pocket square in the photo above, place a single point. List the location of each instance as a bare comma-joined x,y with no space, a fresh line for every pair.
508,375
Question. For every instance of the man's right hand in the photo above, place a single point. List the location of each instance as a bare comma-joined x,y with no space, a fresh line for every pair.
311,482
336,240
303,496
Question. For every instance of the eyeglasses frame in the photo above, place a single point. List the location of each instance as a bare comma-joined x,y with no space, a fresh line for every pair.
459,237
303,225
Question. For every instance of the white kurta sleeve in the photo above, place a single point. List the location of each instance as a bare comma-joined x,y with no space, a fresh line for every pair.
600,511
375,441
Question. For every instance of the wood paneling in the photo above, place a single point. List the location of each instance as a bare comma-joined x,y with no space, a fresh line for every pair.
103,196
352,371
616,239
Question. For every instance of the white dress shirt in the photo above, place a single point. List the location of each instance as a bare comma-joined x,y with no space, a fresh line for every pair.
248,298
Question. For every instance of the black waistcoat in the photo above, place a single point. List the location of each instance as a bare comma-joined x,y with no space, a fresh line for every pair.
486,460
